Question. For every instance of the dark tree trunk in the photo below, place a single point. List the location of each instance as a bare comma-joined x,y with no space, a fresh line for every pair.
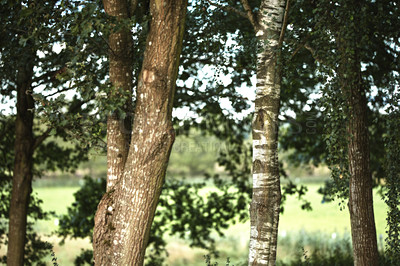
22,172
126,212
363,231
361,206
362,220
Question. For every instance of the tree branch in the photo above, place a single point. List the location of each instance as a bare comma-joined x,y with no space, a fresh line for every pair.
39,140
228,9
47,75
317,58
313,53
208,95
297,50
300,46
59,91
284,23
250,14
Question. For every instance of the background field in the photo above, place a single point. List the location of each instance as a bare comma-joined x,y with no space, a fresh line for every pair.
321,226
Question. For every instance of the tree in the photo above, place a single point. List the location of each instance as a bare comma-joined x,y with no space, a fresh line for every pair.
343,36
35,248
79,64
362,219
22,172
126,211
33,67
23,39
265,206
269,27
120,62
266,198
88,28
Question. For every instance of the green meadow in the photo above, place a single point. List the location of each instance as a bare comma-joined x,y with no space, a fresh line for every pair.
299,230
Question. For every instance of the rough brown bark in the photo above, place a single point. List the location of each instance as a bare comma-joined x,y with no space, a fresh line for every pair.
120,58
361,206
125,214
22,172
362,220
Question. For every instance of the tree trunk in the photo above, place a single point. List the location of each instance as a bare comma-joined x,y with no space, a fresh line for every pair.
361,206
125,214
22,172
265,205
120,58
362,220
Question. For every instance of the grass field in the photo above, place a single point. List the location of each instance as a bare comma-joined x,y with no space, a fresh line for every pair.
326,223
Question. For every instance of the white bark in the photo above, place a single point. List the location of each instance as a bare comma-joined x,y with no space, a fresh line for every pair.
266,198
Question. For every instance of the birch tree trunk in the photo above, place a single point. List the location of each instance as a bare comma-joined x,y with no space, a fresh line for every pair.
266,198
23,163
125,214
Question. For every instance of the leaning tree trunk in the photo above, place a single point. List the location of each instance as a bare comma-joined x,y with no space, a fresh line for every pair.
125,214
22,172
120,58
265,205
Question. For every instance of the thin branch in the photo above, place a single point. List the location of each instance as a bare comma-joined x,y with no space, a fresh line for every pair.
312,51
19,30
106,42
59,91
284,24
39,140
316,58
250,14
287,118
229,9
300,46
297,49
207,96
282,35
46,75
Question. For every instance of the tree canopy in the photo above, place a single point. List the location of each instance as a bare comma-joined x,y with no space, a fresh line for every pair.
66,44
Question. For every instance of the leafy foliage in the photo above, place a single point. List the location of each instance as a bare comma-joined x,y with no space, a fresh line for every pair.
31,33
314,32
339,253
321,249
292,189
36,249
79,221
214,40
392,195
182,211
